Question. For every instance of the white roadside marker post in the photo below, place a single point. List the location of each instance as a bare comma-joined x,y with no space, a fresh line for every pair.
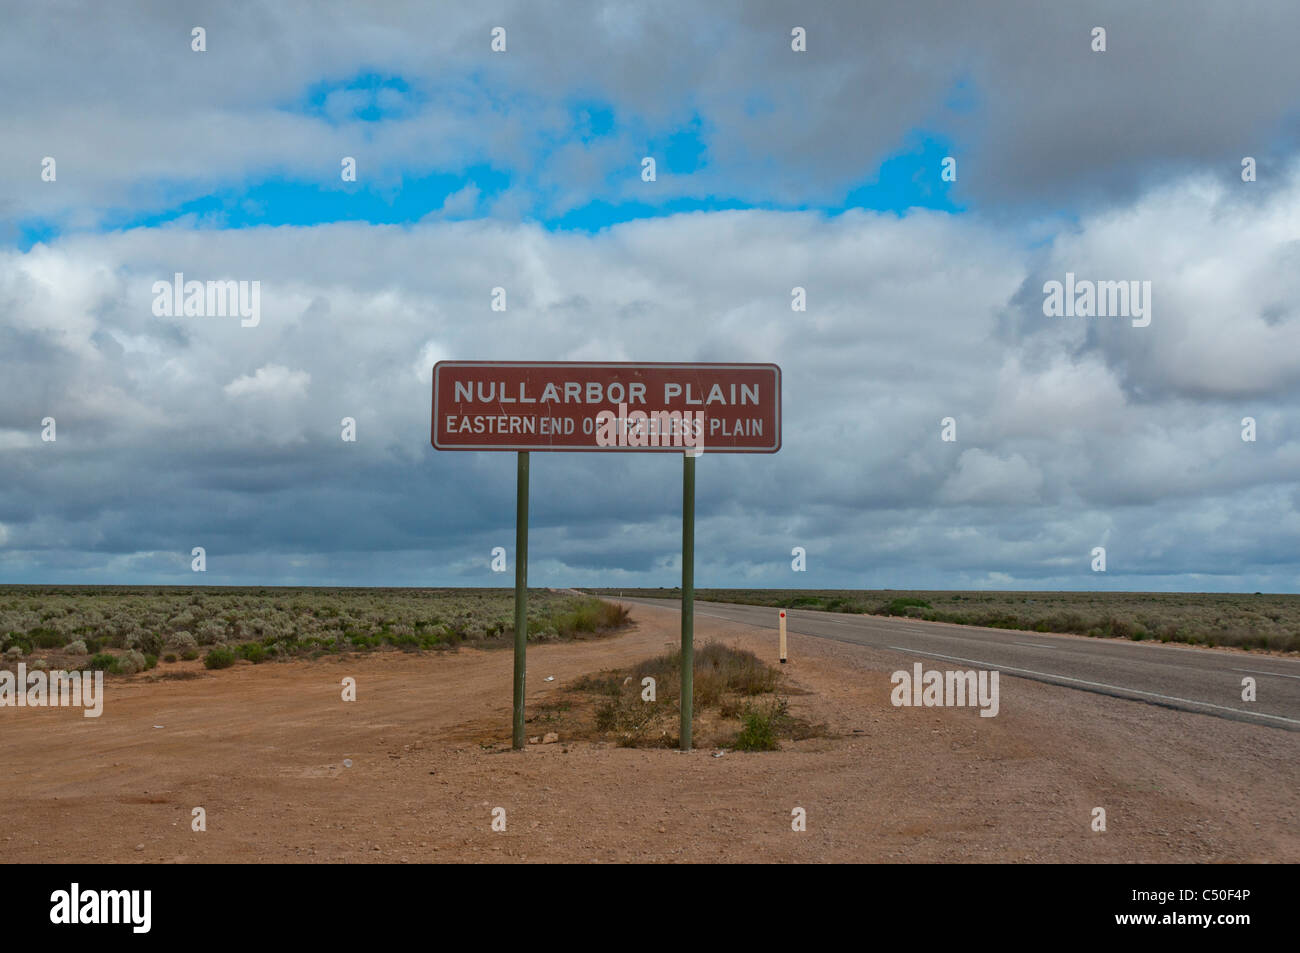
782,636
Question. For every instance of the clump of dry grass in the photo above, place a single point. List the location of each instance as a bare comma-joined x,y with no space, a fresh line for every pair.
738,697
720,671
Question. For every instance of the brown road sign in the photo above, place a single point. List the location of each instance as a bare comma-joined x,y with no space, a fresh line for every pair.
562,405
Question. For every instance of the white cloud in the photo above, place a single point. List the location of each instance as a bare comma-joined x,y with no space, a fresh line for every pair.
910,320
272,381
430,354
460,203
20,439
983,477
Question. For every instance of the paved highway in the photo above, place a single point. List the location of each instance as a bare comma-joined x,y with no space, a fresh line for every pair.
1189,679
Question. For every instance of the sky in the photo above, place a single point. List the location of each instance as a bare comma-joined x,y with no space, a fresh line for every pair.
821,168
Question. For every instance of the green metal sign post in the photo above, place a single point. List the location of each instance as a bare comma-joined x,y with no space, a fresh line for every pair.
688,597
521,598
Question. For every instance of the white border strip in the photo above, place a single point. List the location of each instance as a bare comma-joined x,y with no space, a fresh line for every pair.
773,448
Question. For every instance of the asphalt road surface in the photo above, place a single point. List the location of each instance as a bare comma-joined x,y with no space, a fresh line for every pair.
1188,679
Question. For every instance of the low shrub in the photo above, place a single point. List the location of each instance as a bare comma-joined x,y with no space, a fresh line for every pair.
219,658
760,724
181,641
900,606
150,643
46,638
637,724
130,663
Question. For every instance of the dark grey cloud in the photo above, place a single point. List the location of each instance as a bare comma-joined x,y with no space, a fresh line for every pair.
1037,119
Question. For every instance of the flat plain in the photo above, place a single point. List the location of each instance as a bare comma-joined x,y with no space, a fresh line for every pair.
413,769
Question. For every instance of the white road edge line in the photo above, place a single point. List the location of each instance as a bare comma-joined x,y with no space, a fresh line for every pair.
1117,688
1253,671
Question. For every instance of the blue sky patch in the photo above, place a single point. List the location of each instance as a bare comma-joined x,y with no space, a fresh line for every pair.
367,97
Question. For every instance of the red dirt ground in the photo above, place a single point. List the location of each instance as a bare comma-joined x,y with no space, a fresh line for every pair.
262,750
